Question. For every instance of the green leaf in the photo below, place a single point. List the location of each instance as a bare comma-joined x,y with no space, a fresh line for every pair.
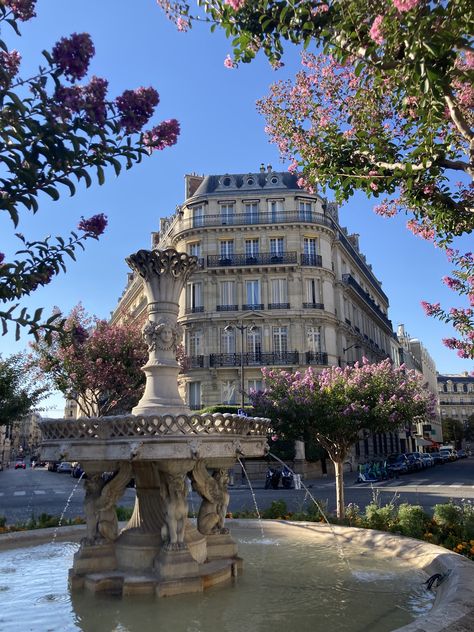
52,192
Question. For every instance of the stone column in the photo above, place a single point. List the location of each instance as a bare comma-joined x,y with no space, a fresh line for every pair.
165,273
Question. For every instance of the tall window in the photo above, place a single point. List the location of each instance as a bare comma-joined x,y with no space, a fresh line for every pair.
252,290
194,295
227,293
194,394
254,385
314,339
194,249
251,247
198,215
313,291
226,248
228,341
279,291
251,212
277,246
227,213
275,209
229,392
309,244
280,340
194,343
254,341
304,210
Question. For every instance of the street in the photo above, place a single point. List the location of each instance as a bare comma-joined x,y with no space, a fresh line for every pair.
24,493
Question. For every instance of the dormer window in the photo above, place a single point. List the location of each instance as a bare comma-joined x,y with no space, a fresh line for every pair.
227,182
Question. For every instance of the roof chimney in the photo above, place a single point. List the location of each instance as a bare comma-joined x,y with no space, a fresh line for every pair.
269,168
262,168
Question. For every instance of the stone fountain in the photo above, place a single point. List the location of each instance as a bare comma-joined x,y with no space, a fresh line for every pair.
163,446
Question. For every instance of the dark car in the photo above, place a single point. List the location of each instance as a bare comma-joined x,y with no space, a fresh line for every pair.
462,454
77,471
53,466
437,458
415,462
397,464
20,465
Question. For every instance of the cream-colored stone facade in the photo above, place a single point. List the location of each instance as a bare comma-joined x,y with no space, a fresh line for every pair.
280,284
456,396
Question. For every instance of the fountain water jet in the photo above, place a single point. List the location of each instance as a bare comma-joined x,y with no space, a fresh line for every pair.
160,444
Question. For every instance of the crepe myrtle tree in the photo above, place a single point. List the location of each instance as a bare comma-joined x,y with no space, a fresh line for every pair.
384,107
94,363
334,407
19,391
56,132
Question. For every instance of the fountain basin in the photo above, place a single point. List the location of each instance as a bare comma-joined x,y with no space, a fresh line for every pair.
368,552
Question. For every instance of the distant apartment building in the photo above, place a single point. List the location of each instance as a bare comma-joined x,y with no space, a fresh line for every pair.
456,396
416,357
280,284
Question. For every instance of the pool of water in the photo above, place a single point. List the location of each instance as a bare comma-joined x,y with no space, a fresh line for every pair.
290,583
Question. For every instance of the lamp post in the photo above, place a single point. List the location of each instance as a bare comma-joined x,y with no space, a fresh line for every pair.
242,328
355,345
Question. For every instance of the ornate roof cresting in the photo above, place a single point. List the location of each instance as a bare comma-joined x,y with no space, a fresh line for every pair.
152,263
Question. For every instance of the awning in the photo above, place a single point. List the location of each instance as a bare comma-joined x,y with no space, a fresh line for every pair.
423,442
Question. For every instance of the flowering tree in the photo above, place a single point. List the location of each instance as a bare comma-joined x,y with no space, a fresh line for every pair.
385,109
94,363
54,133
336,405
19,393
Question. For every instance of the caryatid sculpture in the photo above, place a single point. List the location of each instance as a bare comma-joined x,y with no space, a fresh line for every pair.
165,273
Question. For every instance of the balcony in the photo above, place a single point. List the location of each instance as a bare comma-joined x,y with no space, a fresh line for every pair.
264,217
227,308
194,362
311,260
194,310
278,306
313,305
253,307
352,283
266,258
316,357
253,359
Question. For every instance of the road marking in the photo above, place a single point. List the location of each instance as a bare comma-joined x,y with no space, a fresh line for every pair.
1,493
39,492
19,493
59,491
457,485
434,485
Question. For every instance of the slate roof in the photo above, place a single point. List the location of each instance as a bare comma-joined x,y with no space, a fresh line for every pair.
239,183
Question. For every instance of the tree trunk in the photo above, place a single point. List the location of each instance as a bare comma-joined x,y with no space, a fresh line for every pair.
340,507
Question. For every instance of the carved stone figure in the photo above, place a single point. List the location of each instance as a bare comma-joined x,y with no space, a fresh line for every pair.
215,499
162,335
173,493
99,504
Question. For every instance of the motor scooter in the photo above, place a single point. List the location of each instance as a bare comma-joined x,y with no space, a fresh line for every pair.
287,478
272,478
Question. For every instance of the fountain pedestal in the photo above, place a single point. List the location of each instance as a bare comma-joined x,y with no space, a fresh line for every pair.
160,445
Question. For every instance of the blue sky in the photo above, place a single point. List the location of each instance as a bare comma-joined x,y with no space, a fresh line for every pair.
221,132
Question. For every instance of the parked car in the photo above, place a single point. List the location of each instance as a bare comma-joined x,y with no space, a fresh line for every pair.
449,453
20,465
462,454
415,461
397,464
427,459
65,467
77,471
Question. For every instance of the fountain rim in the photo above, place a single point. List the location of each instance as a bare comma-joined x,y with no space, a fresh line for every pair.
454,601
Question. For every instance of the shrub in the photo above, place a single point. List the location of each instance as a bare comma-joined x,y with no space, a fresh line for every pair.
277,509
123,513
381,518
317,510
412,520
447,516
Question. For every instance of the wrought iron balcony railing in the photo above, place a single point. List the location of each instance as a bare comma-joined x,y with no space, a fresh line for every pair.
278,306
311,260
227,308
264,217
313,305
316,357
349,280
264,258
252,306
254,359
194,310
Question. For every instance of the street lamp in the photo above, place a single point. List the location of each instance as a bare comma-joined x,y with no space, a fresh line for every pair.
242,328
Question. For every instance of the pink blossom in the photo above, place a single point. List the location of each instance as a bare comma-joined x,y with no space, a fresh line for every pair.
405,5
73,54
235,4
321,8
374,186
10,63
293,166
182,24
136,108
163,135
376,31
23,10
228,63
2,257
301,183
94,226
387,208
430,309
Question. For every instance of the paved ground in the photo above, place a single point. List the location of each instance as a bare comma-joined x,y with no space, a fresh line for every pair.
33,491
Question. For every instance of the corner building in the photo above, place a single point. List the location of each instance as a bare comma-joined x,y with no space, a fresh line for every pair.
280,284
